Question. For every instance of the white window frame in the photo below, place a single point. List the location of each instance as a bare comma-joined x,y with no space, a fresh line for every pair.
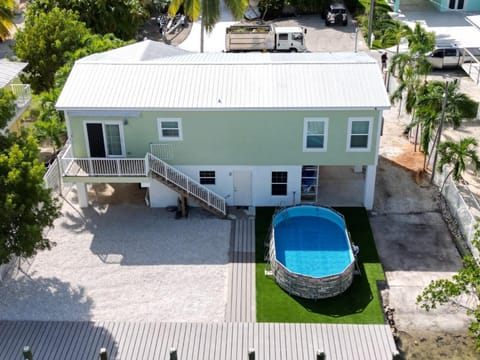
349,133
104,133
305,133
170,138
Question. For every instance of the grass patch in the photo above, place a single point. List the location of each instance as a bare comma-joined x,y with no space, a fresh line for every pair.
360,304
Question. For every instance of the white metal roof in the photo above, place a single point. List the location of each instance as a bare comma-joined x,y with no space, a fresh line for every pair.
9,70
206,81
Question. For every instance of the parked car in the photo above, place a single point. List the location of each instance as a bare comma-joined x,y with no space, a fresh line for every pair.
336,13
450,56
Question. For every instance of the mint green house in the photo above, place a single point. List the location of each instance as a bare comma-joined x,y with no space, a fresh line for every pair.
224,129
441,5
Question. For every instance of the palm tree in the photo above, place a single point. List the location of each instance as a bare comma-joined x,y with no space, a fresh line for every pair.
409,86
394,33
6,18
429,110
420,41
209,10
458,154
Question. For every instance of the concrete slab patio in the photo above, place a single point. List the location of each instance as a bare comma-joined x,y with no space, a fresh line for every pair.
124,262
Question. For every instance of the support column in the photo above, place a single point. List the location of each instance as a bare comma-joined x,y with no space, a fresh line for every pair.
369,190
82,194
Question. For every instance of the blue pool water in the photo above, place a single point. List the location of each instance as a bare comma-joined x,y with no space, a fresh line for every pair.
312,241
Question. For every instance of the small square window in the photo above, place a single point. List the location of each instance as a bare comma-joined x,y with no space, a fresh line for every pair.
207,177
279,183
170,129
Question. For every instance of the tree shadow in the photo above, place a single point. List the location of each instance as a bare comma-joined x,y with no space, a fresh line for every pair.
43,299
56,340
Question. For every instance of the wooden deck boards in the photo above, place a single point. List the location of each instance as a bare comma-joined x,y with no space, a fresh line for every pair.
228,340
195,341
241,297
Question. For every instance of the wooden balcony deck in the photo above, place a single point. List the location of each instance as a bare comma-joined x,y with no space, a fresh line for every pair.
194,341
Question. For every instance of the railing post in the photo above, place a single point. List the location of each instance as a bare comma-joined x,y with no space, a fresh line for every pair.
27,353
103,354
90,166
147,164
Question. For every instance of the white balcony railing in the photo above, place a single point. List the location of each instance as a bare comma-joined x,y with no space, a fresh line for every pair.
187,184
86,167
22,93
73,166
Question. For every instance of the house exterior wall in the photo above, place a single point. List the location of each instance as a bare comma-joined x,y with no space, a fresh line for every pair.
242,138
162,196
468,5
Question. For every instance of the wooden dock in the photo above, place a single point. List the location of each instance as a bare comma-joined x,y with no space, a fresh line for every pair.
55,340
241,289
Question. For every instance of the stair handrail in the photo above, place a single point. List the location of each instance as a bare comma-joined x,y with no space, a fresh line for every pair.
186,183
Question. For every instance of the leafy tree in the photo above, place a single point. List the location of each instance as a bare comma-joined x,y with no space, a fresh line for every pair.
458,154
7,107
50,124
26,205
91,44
466,281
6,18
46,43
120,17
210,11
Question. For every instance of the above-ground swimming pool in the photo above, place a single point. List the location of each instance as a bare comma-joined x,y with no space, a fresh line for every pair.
310,252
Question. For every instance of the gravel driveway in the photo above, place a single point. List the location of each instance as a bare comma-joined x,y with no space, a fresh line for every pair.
124,262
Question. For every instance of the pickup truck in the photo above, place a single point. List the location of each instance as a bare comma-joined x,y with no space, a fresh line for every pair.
450,56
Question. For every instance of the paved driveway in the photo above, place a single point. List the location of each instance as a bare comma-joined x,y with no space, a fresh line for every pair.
124,262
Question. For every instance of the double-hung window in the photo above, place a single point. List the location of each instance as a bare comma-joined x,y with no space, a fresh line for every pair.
170,129
359,134
207,177
279,183
315,134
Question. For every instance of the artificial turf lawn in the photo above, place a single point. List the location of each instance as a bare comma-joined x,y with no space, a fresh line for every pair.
360,304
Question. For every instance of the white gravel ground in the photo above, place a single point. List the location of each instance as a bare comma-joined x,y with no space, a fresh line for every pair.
124,262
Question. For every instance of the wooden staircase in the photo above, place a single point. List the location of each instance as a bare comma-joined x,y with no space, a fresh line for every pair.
186,186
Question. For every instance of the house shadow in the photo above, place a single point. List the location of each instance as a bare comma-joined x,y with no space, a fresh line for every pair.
127,232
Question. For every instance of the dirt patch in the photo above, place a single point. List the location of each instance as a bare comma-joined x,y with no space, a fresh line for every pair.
436,346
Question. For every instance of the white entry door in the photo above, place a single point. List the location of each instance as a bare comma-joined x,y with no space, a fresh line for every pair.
242,188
